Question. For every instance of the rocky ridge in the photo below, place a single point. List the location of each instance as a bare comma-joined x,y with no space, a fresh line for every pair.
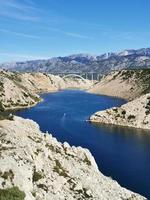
102,64
127,84
20,90
36,166
133,114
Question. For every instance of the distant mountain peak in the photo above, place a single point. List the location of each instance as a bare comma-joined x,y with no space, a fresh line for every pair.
104,63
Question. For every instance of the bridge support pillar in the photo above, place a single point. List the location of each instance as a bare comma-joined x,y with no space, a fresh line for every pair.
92,78
86,76
98,77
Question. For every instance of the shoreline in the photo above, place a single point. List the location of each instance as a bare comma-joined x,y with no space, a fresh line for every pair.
116,125
41,93
111,95
135,114
63,168
21,91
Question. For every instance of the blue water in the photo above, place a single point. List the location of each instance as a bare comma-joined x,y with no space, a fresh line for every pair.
122,153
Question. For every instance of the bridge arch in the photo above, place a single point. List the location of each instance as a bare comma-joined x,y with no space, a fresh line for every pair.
74,76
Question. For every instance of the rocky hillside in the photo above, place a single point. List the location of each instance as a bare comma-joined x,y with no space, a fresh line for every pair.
35,166
133,114
102,64
20,90
127,84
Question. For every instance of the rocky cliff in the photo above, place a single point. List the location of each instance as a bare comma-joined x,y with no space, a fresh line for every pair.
20,90
133,114
35,166
127,84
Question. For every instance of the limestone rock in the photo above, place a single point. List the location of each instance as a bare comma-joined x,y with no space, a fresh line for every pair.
133,114
46,169
20,90
127,84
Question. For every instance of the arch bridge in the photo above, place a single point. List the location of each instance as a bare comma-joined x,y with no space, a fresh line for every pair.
84,76
73,76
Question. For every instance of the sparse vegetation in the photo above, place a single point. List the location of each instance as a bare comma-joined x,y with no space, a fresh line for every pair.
37,176
147,112
87,161
35,139
8,175
11,194
1,106
59,169
130,117
43,186
15,77
4,148
6,115
52,148
141,77
52,82
123,112
127,74
34,97
33,193
115,110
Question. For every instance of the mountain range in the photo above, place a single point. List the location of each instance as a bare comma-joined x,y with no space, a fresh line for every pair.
80,63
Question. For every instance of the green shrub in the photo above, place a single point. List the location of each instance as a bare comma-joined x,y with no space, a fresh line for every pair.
87,161
11,194
147,112
131,117
8,175
1,106
6,115
33,193
42,186
37,176
58,168
123,112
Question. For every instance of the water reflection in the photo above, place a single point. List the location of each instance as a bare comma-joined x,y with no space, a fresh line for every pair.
127,133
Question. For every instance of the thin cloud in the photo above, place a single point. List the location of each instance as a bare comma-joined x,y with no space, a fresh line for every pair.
20,34
26,10
21,11
76,35
71,34
22,56
18,16
15,5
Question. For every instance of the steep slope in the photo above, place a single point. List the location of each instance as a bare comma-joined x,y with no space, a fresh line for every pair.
20,90
133,114
37,166
86,63
127,84
14,94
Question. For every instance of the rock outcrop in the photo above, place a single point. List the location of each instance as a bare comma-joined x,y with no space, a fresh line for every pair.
133,114
38,167
127,84
20,90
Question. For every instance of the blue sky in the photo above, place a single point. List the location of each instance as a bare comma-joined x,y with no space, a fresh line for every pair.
37,29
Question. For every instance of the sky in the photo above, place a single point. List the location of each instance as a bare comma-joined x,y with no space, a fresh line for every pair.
40,29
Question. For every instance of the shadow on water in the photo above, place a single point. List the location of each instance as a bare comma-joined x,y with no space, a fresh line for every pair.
128,150
120,152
